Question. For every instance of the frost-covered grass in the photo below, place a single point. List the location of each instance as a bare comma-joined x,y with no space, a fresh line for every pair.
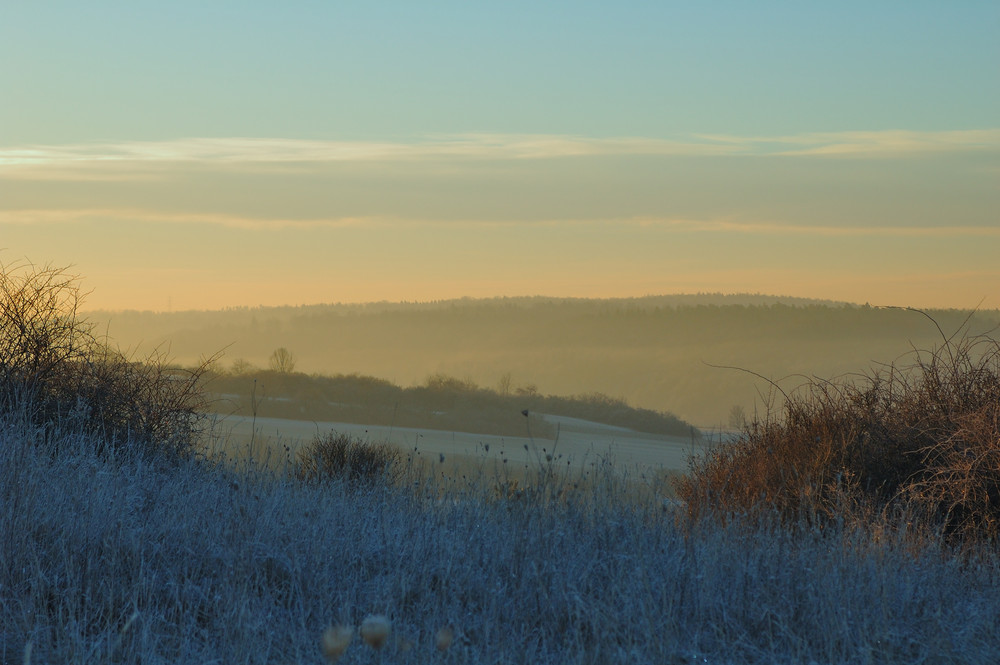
134,560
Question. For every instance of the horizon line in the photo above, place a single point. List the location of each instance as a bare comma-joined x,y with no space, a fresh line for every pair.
792,300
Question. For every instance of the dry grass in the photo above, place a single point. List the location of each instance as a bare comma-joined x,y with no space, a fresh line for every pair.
915,442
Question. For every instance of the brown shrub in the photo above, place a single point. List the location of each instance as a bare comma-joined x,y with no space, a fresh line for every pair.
916,438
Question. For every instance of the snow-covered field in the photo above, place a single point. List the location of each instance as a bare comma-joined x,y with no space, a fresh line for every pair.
579,442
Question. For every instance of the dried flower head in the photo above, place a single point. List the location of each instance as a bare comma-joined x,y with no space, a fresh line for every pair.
444,638
375,630
336,639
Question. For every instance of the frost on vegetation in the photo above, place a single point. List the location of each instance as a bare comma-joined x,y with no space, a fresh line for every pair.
113,558
198,563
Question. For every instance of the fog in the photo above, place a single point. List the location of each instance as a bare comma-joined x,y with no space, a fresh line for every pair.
698,356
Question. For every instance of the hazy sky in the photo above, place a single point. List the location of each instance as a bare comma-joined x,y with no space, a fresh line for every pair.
203,154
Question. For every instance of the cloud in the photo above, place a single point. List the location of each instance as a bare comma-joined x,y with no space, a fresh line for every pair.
128,160
256,150
888,143
89,215
729,226
777,229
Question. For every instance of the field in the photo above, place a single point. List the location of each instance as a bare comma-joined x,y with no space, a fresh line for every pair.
578,444
131,560
123,539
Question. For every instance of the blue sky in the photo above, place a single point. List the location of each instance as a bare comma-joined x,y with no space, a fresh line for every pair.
588,134
156,70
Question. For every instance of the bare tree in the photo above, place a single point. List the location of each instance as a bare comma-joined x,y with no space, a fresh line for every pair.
737,417
242,366
282,360
503,385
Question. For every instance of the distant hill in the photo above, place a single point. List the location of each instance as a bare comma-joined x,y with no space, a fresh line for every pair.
143,317
654,352
442,403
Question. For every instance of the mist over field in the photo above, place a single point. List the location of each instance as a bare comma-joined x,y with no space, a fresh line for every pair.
685,355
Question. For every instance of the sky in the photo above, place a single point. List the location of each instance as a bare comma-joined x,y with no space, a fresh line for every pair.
196,155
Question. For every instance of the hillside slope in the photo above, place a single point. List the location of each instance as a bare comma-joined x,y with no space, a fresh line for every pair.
656,353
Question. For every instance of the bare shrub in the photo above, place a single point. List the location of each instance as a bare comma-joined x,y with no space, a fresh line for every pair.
41,334
919,438
55,370
149,402
338,455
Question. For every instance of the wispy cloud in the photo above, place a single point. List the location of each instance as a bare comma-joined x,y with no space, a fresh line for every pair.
256,150
89,215
681,225
778,229
222,151
886,143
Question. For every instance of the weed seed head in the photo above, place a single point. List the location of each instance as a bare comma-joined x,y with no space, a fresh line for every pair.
336,639
444,638
375,630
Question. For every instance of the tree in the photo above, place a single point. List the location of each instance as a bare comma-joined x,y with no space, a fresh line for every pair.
242,366
737,417
282,360
527,390
503,386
